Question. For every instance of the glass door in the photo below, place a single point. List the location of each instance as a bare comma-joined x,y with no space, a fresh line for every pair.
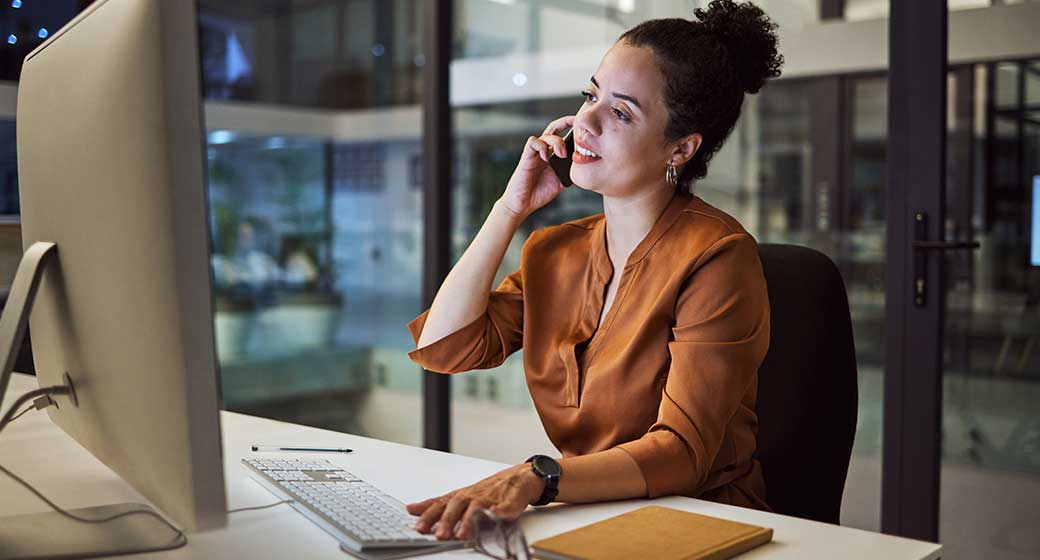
962,432
990,430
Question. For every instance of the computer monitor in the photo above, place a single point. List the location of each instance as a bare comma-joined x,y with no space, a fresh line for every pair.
111,170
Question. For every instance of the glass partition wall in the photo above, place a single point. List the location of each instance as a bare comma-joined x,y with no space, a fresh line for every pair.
315,209
313,145
990,469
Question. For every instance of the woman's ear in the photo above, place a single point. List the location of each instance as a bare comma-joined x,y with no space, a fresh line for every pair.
685,149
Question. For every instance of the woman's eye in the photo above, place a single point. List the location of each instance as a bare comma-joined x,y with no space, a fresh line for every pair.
591,98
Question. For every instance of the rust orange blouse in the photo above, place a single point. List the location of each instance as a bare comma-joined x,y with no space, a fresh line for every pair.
670,376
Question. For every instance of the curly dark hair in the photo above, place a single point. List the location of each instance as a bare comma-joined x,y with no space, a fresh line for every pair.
708,65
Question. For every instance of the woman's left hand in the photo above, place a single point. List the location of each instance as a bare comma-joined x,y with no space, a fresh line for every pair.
506,493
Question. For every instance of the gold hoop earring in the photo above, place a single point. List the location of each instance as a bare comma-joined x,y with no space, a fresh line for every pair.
672,175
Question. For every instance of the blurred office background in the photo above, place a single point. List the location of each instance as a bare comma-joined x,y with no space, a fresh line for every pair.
313,111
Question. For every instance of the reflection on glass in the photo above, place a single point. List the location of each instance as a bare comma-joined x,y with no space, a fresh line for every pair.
271,242
1006,88
315,212
10,231
1033,86
990,428
336,54
276,308
313,277
863,253
550,26
8,169
990,315
785,159
876,9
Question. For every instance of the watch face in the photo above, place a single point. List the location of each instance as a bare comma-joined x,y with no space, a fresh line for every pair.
547,466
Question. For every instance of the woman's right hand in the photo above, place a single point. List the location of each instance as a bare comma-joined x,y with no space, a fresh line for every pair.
534,183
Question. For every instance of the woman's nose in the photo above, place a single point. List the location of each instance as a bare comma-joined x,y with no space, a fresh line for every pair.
587,121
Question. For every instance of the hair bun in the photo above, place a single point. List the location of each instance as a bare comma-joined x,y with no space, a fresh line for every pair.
750,38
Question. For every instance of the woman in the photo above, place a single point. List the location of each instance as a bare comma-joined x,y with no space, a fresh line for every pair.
642,327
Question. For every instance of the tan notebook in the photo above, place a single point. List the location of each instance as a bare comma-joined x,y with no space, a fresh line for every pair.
654,532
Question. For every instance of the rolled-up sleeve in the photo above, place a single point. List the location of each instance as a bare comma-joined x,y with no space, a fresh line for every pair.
721,335
484,343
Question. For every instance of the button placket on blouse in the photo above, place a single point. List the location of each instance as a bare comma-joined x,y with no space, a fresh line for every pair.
586,329
596,341
581,332
590,317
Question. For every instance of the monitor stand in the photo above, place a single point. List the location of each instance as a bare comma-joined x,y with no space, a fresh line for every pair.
51,534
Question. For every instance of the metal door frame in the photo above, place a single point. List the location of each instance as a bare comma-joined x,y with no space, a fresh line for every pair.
914,294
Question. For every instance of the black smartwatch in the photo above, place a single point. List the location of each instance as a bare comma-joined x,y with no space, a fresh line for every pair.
549,471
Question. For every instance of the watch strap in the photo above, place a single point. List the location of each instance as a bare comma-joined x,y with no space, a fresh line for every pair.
552,482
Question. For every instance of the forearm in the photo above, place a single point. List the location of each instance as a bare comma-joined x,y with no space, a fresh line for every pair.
606,475
463,296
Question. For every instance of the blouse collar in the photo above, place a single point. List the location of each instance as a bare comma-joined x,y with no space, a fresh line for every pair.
680,200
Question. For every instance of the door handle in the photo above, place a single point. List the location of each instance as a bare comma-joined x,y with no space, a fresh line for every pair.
921,247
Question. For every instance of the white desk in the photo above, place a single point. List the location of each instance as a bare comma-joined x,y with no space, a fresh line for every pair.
47,458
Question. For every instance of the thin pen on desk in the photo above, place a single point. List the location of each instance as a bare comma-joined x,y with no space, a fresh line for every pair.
308,449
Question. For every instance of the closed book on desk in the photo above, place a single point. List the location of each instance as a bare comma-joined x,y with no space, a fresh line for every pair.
654,532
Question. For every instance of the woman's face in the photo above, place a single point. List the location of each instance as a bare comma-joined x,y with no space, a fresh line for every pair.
622,121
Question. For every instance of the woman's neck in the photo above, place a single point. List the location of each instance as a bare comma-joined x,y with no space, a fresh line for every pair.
630,219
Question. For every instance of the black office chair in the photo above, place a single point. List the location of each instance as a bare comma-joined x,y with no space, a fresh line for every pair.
807,385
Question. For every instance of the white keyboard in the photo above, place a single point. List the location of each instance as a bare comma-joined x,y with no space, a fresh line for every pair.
359,515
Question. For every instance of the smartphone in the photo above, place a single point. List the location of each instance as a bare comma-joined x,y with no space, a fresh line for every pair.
562,165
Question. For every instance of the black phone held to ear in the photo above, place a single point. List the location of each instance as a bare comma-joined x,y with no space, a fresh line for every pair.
562,165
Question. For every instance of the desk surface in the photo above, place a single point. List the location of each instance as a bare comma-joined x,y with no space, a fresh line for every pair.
39,451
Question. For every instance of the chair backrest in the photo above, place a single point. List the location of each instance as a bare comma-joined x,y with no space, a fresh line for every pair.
807,385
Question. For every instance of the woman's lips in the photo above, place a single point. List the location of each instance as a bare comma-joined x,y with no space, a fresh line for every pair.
579,157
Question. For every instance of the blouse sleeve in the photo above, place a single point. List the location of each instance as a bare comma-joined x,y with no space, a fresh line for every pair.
721,335
485,342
